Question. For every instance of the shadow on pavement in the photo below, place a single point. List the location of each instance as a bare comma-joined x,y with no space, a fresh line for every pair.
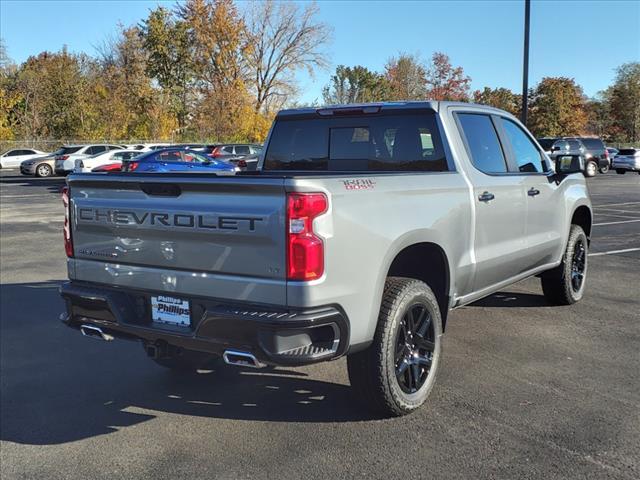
57,386
52,184
512,300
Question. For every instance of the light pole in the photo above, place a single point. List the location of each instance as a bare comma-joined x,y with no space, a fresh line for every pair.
525,63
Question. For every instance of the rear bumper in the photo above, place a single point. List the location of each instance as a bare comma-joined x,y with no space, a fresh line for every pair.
625,166
276,336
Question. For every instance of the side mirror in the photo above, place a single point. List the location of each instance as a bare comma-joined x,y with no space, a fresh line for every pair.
566,164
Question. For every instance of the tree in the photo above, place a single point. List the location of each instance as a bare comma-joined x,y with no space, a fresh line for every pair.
355,85
557,108
9,96
406,77
170,58
445,82
284,39
624,102
219,41
502,98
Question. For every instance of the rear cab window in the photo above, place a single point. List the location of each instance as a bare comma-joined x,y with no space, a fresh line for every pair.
386,141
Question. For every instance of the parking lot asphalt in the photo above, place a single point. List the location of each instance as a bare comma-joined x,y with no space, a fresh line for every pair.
526,390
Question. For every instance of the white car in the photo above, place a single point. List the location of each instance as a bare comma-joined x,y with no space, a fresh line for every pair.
66,161
85,165
13,158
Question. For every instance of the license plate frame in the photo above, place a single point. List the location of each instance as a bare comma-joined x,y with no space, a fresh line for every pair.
169,310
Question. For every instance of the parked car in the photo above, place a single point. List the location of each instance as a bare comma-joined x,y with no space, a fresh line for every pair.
13,158
244,164
42,166
225,151
547,142
612,153
595,156
87,164
348,241
109,167
627,160
177,160
66,161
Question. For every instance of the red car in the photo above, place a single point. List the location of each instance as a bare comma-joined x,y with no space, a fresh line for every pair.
110,167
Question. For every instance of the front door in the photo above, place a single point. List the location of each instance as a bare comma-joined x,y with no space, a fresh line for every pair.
500,205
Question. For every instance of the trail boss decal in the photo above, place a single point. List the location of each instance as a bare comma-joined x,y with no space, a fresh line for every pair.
359,184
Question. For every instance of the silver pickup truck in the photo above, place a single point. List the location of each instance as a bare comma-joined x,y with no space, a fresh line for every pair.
363,226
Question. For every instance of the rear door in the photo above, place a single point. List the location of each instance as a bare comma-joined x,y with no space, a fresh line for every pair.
499,198
220,238
543,197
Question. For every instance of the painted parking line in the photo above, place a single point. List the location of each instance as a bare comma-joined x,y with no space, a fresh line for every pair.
615,223
617,204
612,252
613,215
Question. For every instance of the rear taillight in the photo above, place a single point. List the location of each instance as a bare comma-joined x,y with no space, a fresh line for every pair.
132,166
216,152
68,243
606,154
64,157
305,250
241,163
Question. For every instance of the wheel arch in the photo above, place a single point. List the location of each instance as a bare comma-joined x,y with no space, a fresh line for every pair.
583,217
428,262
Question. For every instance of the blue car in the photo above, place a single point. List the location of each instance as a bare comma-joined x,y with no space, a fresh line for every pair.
177,160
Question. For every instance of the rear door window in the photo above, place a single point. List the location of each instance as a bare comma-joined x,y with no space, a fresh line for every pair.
69,150
482,142
527,156
374,143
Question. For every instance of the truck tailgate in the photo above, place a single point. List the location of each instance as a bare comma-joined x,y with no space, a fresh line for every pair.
222,237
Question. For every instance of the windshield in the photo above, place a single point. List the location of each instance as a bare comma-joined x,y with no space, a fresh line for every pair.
384,142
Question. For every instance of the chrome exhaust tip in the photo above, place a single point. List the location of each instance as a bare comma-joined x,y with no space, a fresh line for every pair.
241,359
95,332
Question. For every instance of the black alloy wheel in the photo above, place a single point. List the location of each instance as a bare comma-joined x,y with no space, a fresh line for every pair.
414,347
578,265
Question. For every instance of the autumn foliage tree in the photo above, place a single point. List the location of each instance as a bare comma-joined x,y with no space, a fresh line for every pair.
355,85
624,102
501,98
557,108
446,82
406,77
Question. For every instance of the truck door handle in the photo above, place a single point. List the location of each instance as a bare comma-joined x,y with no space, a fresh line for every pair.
486,196
533,192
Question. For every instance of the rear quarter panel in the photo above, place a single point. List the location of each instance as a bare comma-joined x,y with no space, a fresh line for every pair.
369,221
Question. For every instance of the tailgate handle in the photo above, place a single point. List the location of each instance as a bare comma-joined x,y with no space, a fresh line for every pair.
161,189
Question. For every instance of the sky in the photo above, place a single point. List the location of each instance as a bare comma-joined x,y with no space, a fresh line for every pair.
584,40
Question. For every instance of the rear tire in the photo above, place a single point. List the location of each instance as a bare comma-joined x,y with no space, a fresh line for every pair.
620,171
590,169
396,374
604,169
44,170
565,284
